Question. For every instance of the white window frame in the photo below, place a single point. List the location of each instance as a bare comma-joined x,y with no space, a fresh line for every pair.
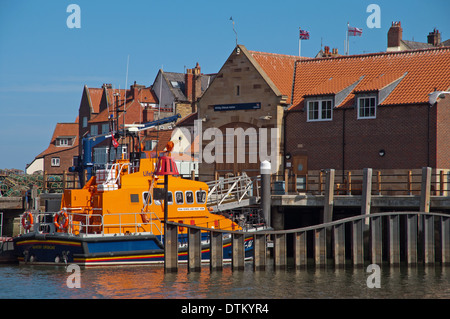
320,105
56,162
374,116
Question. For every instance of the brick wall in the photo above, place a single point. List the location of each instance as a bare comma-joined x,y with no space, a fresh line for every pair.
401,131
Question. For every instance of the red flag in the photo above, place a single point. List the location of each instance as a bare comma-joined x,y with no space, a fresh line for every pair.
114,142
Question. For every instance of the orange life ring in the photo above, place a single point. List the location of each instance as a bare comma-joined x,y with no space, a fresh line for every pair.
65,223
27,220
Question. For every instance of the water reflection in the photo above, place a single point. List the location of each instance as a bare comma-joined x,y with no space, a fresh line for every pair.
152,282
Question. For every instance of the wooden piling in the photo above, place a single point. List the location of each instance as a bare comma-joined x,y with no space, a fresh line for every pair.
366,192
216,251
445,240
428,236
170,248
425,190
376,240
237,251
300,252
194,250
280,251
394,240
320,248
259,251
329,196
411,239
357,243
339,245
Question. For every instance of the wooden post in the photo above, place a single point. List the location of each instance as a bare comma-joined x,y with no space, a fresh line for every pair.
357,242
237,251
376,240
409,183
44,182
64,181
300,252
194,250
286,181
425,190
445,240
349,182
428,228
216,251
320,248
280,251
170,248
441,183
379,182
259,251
411,239
366,193
193,175
394,240
339,245
329,196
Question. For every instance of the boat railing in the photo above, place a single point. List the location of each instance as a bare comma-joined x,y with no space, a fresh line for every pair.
83,224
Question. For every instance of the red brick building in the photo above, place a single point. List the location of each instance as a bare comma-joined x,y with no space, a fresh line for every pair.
63,147
370,111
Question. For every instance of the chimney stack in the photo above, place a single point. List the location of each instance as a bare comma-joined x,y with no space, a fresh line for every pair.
395,34
434,38
188,84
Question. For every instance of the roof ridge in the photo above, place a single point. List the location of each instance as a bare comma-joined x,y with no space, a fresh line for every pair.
275,54
387,53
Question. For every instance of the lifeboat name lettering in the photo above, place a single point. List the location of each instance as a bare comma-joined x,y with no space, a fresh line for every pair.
147,173
185,209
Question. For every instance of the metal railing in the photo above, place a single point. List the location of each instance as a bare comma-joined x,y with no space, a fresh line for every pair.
232,190
82,224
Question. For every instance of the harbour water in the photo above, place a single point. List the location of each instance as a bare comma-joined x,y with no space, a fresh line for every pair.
150,282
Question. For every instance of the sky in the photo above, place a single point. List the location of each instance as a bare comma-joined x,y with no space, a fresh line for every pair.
44,64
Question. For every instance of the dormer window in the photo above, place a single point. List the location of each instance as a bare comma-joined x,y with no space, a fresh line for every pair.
367,107
64,141
320,110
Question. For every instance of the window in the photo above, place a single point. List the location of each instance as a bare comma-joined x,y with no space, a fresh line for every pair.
55,161
105,128
169,198
189,197
62,142
146,198
320,110
85,121
150,145
201,197
367,108
179,198
238,90
94,130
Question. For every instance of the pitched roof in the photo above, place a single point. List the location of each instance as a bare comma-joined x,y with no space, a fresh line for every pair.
62,130
419,72
279,68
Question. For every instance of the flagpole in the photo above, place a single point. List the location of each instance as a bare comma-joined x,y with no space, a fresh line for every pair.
299,42
348,45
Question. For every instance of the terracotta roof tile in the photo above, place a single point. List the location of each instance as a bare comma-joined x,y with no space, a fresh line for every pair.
62,130
279,68
425,70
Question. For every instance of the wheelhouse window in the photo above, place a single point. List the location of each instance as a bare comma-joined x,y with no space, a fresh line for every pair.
146,198
179,198
320,110
189,197
367,107
201,197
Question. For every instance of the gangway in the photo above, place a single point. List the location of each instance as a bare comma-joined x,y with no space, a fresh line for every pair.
233,192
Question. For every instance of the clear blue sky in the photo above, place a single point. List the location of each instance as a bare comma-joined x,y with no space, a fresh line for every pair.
44,64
